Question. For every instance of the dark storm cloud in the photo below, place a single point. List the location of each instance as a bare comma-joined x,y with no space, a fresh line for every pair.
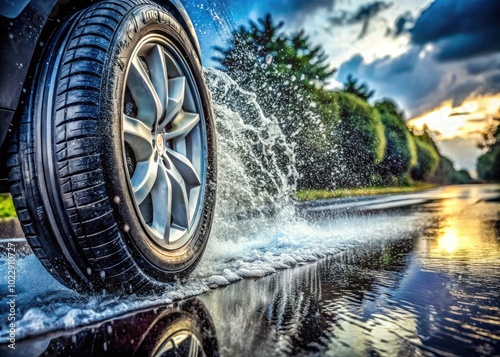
483,64
386,67
459,29
363,15
460,91
494,81
461,62
403,64
407,78
403,24
352,66
420,83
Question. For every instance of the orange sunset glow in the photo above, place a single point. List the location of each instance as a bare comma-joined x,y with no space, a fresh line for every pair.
466,121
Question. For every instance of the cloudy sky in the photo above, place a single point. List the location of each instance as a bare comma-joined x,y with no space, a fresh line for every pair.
438,59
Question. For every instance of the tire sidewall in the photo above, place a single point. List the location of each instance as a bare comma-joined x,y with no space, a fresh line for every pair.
139,22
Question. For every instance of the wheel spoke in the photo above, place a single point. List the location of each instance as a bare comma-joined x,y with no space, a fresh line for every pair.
180,210
164,142
193,347
145,96
182,125
176,92
144,178
138,136
158,69
161,195
185,168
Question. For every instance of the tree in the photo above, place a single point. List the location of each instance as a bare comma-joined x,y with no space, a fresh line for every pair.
491,136
361,90
444,172
361,141
400,152
263,51
320,142
427,158
488,164
283,70
462,177
286,73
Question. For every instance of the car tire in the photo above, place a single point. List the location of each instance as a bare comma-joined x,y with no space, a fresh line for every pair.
113,168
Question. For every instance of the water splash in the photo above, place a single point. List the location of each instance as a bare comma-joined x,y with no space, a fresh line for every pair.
256,175
255,232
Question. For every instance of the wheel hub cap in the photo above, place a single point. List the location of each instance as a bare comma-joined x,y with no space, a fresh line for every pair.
165,132
160,145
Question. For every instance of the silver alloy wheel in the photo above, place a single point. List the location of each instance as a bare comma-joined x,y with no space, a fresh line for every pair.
165,141
181,343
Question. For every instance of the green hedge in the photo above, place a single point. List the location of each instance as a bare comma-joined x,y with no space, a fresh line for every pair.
317,144
488,165
7,209
400,152
361,141
427,158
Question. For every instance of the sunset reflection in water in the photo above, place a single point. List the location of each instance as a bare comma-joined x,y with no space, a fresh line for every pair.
467,236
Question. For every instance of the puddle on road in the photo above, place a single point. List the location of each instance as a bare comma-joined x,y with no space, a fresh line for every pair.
435,293
417,292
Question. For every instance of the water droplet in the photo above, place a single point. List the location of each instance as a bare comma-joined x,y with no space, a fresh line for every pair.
269,59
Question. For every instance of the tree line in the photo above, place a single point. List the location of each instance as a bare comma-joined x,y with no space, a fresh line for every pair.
488,164
340,139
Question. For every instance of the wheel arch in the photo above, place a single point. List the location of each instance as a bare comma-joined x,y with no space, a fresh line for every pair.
18,69
177,9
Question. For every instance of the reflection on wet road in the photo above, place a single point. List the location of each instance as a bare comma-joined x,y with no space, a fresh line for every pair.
436,292
182,330
433,292
426,291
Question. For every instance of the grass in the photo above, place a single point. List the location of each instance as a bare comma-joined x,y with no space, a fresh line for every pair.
309,195
7,209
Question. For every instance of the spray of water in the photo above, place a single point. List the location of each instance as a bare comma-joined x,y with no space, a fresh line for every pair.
257,173
255,233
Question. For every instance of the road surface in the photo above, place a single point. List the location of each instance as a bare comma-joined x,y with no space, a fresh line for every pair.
412,279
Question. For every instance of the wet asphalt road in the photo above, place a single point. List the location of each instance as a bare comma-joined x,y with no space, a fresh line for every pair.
431,290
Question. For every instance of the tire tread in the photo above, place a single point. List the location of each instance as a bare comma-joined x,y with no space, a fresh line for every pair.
78,161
